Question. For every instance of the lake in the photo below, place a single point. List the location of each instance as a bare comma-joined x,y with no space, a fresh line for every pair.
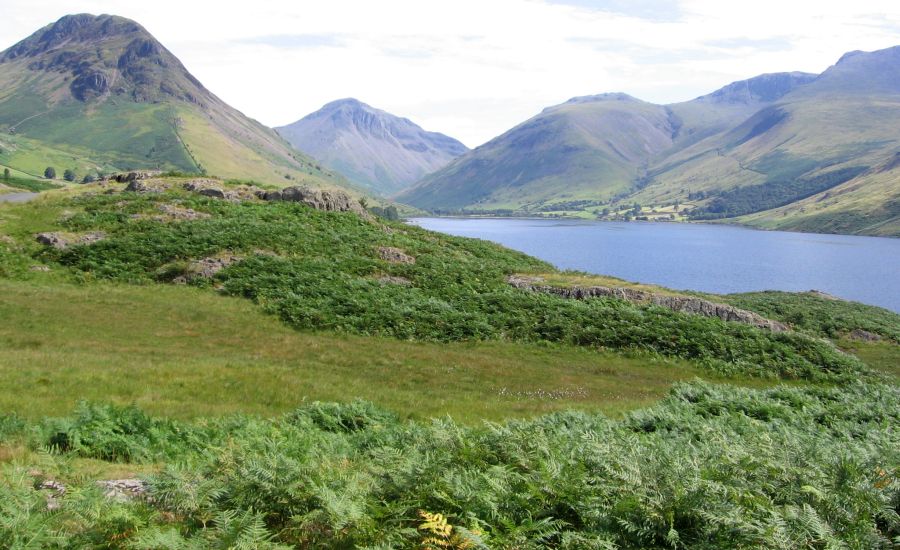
706,257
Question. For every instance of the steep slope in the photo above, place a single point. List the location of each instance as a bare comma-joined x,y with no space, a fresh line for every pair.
589,148
377,150
732,104
824,154
104,91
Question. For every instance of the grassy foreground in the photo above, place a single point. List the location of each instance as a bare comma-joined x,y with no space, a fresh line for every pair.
219,355
708,467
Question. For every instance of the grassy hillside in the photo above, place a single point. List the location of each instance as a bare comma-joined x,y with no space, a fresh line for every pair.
588,148
99,93
428,327
319,270
819,315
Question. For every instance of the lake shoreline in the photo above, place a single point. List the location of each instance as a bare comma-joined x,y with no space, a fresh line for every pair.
679,222
702,257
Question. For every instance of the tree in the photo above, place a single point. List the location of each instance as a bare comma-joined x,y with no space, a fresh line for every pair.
88,179
6,174
50,173
391,213
69,174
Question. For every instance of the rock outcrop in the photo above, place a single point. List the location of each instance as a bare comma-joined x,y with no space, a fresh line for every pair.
171,212
123,489
214,189
864,335
392,280
725,312
535,284
60,241
120,490
143,185
395,255
131,177
329,200
681,304
206,268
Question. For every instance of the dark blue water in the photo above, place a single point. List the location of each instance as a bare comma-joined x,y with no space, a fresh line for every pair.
710,258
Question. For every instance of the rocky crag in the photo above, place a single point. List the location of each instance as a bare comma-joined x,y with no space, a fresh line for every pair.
682,304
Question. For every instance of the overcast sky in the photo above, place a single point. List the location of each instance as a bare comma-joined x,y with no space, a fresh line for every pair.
474,68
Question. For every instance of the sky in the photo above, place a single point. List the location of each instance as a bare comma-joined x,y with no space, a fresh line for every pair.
473,69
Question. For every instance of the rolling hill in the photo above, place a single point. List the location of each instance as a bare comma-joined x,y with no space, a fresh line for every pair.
380,152
784,150
99,93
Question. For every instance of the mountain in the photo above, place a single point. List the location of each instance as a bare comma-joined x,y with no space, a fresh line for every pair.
589,150
587,147
820,158
783,150
101,93
377,150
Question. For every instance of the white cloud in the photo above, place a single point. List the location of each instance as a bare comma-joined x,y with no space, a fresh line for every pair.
473,69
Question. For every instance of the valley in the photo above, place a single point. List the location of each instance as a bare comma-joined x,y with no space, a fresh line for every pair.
215,334
779,151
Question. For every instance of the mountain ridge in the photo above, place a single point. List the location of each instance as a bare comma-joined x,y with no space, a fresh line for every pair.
377,150
752,146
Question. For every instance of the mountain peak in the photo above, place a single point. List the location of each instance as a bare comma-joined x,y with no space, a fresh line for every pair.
104,86
609,96
73,29
106,54
372,147
859,72
350,102
764,88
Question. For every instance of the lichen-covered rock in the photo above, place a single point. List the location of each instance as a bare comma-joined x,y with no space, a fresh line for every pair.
213,192
172,212
329,200
129,177
206,268
214,189
865,335
123,489
395,255
725,312
580,292
680,304
59,241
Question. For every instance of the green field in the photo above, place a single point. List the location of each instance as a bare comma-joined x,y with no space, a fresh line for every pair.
221,355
